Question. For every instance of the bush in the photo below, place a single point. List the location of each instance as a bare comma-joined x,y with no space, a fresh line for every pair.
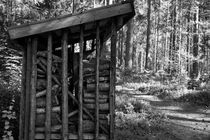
9,112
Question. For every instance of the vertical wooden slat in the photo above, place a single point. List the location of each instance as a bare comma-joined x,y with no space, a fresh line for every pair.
49,91
97,82
22,97
80,131
65,86
33,90
112,79
27,97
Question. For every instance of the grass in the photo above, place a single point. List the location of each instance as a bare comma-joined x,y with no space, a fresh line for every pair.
135,118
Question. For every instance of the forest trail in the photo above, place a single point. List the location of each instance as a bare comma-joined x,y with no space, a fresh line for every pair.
184,121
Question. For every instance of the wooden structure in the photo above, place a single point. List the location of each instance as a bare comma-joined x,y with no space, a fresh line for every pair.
66,94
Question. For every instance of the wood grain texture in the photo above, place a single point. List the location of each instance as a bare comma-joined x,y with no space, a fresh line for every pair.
80,128
27,97
49,89
97,82
65,86
33,90
112,78
22,97
70,20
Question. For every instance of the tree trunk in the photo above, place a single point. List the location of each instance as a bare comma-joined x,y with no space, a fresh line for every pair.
148,34
129,47
195,70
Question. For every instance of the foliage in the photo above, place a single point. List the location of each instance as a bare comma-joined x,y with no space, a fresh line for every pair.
135,118
9,112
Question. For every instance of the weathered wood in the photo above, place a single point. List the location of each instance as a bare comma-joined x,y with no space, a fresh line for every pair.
22,97
33,89
86,100
49,90
112,79
41,101
55,128
103,87
97,82
65,86
43,110
72,113
91,80
27,99
102,95
42,93
41,117
86,111
80,128
86,136
102,107
103,73
70,20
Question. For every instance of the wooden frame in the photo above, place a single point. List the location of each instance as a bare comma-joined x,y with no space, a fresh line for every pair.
80,128
112,78
49,63
49,91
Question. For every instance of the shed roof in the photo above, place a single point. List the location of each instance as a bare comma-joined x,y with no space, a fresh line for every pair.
122,13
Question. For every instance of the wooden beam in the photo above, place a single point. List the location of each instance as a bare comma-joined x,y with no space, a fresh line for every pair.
112,79
22,97
49,89
80,128
33,89
27,98
70,20
84,109
97,81
71,136
65,86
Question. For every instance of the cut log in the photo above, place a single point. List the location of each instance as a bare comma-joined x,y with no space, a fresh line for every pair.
42,93
86,136
101,74
90,68
55,128
102,87
90,80
91,95
93,100
54,109
40,119
101,106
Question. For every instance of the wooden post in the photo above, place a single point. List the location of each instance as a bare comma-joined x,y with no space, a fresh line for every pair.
49,91
97,82
112,79
27,97
33,90
65,86
22,97
80,131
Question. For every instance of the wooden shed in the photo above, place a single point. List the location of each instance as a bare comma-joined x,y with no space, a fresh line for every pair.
67,88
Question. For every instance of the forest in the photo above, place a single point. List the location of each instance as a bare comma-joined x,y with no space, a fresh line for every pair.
162,69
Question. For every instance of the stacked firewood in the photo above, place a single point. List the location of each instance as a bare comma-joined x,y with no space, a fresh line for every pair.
89,92
41,89
88,95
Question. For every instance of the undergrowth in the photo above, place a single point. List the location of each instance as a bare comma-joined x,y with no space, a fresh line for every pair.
135,118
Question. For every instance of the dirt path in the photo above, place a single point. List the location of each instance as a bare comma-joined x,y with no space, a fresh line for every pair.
185,122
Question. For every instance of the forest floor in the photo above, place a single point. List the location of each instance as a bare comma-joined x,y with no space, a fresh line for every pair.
171,119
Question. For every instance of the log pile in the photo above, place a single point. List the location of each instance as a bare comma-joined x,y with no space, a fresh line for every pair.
88,95
89,91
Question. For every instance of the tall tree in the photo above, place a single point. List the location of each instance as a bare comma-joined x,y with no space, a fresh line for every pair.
195,69
129,46
148,33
